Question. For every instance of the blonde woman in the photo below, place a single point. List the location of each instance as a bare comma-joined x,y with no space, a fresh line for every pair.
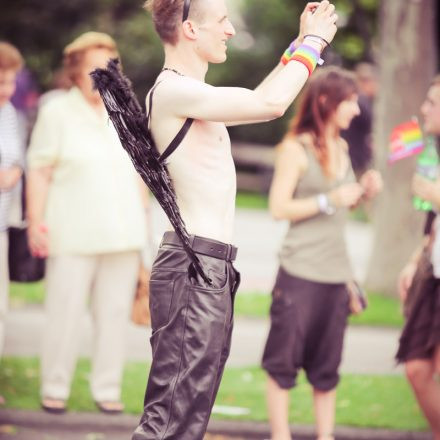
86,215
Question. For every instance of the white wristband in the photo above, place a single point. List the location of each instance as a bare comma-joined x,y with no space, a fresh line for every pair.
324,205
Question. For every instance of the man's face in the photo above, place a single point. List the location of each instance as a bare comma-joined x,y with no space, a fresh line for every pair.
214,30
7,85
431,110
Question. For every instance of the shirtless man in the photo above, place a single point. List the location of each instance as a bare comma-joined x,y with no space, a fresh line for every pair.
192,321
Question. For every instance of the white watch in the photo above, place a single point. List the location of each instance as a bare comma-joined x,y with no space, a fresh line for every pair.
324,205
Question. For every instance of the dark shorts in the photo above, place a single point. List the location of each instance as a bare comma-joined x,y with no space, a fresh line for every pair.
191,337
308,321
421,333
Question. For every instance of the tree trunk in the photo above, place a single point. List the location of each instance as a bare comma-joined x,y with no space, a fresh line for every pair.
407,63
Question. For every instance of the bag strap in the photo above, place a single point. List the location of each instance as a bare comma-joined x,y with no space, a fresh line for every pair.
179,136
177,140
150,103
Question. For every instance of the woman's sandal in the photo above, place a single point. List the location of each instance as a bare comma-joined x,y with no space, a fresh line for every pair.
53,406
110,407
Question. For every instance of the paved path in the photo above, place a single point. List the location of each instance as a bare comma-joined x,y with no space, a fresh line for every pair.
34,425
367,350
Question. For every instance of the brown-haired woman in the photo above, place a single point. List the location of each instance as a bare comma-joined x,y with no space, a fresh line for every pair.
313,187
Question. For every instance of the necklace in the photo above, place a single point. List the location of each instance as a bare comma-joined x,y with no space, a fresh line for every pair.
172,70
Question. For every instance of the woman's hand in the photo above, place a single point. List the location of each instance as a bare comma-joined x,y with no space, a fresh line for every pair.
9,177
372,183
38,238
426,189
405,280
346,195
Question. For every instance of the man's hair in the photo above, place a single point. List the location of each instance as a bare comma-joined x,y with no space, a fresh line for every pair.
167,17
10,57
74,52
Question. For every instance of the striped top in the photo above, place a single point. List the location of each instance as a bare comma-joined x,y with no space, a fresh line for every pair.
11,153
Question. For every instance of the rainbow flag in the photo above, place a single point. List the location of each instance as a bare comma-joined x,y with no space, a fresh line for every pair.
406,140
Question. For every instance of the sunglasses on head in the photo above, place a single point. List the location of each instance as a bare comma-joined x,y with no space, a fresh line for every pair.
186,6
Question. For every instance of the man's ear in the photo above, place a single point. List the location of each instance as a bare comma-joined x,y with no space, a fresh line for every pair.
189,30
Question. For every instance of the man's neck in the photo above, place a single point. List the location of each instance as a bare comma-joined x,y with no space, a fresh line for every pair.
186,62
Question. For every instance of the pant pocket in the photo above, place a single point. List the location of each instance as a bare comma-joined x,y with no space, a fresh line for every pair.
161,298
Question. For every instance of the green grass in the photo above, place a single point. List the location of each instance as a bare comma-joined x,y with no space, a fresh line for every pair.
26,293
382,310
363,401
252,304
250,200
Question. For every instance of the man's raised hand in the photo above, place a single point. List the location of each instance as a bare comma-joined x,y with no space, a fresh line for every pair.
321,21
310,7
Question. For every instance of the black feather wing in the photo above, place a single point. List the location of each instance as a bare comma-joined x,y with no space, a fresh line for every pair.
131,124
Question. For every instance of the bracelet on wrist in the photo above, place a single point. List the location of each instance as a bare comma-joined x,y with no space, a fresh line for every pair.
324,205
304,54
287,55
322,39
313,40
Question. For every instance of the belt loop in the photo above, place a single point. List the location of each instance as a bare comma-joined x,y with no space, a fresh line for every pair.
229,253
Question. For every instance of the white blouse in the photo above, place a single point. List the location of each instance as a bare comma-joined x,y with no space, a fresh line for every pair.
94,202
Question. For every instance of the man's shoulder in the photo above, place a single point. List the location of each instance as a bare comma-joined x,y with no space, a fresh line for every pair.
172,88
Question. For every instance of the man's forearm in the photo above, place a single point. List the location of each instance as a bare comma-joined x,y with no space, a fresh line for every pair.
269,77
285,82
277,68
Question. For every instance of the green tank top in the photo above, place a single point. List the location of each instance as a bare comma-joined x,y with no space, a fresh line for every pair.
315,248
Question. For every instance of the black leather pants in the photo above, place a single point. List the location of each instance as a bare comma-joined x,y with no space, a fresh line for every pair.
192,328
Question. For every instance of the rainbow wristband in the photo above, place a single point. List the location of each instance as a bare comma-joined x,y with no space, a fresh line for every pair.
306,55
287,55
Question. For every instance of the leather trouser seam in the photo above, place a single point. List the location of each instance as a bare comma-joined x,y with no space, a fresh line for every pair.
180,366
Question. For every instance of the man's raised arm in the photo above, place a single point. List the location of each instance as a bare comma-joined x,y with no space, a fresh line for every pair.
190,98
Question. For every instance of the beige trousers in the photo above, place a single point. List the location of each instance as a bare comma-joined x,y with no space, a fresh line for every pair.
4,285
109,282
